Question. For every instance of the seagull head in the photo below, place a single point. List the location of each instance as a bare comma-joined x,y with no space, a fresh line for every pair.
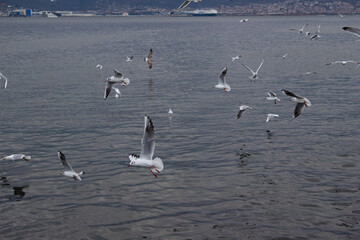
27,158
131,163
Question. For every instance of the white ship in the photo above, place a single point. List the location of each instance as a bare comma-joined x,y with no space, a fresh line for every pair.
201,12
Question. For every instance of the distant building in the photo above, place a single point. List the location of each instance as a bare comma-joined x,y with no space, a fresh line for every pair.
20,13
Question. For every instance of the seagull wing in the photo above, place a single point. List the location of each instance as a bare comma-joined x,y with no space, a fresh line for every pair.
118,74
271,94
148,140
64,162
353,30
302,29
260,66
183,5
240,113
288,93
5,78
107,89
248,69
298,109
222,76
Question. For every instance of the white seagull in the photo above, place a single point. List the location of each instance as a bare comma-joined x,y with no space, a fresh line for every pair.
222,82
184,5
117,78
118,93
271,116
129,59
244,20
236,58
272,97
285,55
14,157
69,171
99,66
352,30
254,74
301,30
170,111
300,102
308,73
340,15
242,109
5,79
343,62
317,34
147,151
307,34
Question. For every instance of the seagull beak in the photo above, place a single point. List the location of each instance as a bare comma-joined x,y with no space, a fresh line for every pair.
129,165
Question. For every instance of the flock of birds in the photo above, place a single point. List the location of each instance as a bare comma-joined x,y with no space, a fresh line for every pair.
145,158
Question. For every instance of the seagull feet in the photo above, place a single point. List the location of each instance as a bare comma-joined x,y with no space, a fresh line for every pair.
153,173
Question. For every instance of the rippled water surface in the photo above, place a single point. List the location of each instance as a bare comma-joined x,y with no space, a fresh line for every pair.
223,178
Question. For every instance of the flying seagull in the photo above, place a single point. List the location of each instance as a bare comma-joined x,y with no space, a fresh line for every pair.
99,66
5,79
272,97
147,151
184,5
148,59
352,30
69,171
271,116
254,74
301,30
244,20
117,78
300,102
129,59
222,82
14,157
236,58
308,73
344,62
242,109
340,15
285,55
170,111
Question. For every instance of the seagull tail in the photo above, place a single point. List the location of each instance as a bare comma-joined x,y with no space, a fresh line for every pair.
158,164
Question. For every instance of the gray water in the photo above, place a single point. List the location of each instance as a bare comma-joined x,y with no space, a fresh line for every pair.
223,178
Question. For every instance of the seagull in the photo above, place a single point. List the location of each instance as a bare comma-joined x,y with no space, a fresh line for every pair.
284,56
271,116
352,30
254,74
147,151
340,15
170,111
5,78
244,20
14,157
301,102
129,59
117,78
242,109
317,34
236,58
308,73
272,97
69,171
184,5
118,93
301,30
99,66
148,59
222,82
307,34
343,62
